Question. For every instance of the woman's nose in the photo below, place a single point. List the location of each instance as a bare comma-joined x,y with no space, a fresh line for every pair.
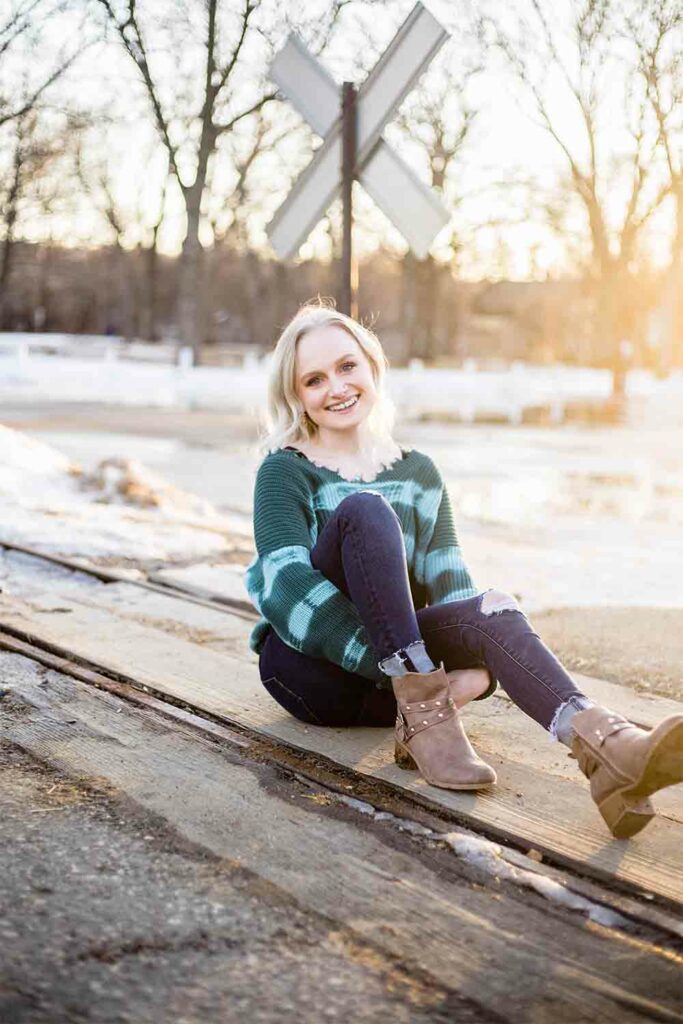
339,387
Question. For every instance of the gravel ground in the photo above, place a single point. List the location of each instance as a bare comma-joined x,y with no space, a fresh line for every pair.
641,648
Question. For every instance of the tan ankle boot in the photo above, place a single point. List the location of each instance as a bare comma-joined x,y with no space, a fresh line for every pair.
626,764
429,734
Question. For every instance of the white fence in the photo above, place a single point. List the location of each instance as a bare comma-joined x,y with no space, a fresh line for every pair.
61,368
23,347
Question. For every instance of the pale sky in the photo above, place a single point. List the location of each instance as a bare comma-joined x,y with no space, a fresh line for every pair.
505,145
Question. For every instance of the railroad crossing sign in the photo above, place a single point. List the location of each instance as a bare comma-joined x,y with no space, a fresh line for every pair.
412,207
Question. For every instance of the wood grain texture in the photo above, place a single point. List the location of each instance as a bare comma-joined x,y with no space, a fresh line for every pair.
222,583
531,804
514,955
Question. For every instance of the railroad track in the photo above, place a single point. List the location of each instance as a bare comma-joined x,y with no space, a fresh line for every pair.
219,696
196,595
657,920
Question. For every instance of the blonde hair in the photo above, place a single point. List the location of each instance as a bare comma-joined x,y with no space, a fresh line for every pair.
285,420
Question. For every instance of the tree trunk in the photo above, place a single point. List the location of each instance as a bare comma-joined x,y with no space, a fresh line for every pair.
429,307
127,300
7,251
190,312
410,309
46,316
150,329
671,339
6,254
281,298
611,321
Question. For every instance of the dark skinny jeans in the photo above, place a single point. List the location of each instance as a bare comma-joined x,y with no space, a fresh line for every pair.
361,550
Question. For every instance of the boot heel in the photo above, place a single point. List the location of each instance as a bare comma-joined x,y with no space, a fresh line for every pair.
625,819
403,758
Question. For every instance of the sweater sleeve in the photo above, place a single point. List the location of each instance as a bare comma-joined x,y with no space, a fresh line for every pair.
304,608
447,577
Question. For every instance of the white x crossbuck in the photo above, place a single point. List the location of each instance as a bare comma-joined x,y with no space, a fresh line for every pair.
413,208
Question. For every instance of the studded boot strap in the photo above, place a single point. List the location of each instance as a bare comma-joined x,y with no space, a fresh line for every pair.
417,716
587,750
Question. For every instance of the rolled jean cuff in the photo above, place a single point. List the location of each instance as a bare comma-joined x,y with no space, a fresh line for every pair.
578,701
412,658
394,665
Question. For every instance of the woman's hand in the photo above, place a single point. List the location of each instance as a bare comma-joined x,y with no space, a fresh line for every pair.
467,683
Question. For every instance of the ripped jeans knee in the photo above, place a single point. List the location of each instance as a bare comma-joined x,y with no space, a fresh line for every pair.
493,602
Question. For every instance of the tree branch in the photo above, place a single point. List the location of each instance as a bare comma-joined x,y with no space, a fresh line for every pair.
220,129
135,48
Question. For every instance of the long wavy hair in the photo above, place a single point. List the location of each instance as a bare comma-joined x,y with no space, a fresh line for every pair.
286,422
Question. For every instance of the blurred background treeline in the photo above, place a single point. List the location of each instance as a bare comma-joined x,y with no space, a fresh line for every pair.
143,152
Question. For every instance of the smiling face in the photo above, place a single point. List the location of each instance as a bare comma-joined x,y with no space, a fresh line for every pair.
331,369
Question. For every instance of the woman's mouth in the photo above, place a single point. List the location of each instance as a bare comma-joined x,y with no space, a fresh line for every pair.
344,406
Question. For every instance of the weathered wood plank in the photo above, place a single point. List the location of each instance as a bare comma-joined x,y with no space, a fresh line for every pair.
197,620
30,578
319,770
495,726
516,958
81,569
223,583
550,813
132,694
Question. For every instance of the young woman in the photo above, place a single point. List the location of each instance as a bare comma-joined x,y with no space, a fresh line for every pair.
369,615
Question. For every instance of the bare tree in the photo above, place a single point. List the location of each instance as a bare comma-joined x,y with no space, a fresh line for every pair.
581,58
149,302
226,38
230,211
235,212
438,119
133,217
30,135
655,28
221,105
93,173
22,27
33,149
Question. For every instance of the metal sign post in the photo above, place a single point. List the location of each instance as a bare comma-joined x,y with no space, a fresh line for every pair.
412,207
349,272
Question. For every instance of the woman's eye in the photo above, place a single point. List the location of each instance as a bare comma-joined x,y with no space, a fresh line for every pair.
314,380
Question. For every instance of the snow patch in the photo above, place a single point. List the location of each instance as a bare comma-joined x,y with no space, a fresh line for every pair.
489,857
127,481
22,453
121,510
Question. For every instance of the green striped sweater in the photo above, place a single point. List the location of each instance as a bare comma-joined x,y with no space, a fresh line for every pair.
293,499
